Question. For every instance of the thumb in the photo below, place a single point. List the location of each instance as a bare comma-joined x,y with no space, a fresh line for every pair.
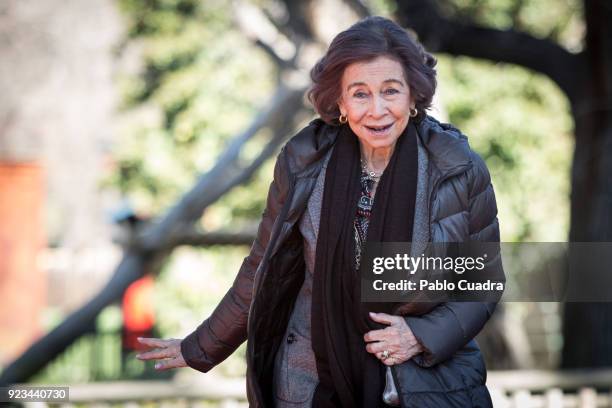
382,318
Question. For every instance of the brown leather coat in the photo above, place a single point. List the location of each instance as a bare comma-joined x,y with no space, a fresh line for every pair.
462,207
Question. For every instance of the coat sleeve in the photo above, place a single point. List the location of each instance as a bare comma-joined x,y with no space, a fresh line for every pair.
220,335
449,326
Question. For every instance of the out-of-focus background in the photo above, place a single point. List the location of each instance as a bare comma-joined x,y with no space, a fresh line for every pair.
137,141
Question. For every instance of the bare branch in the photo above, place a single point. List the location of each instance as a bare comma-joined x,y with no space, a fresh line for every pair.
440,34
300,18
228,172
260,28
280,62
281,26
358,7
202,239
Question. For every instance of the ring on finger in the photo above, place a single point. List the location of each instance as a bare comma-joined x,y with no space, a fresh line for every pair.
385,354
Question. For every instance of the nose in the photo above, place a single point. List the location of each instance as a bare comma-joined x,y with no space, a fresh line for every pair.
378,107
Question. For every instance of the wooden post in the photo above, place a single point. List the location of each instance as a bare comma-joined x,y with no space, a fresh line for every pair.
23,285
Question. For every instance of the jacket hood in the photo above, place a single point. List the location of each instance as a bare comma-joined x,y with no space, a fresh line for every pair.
448,148
310,144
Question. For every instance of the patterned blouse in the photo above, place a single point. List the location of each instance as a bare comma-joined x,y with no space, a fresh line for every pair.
364,210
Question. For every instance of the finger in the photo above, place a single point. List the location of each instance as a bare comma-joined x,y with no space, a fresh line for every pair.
381,356
153,342
374,348
389,361
156,354
168,364
375,335
390,335
383,318
381,346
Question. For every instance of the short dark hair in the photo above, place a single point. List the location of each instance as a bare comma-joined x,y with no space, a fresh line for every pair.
366,40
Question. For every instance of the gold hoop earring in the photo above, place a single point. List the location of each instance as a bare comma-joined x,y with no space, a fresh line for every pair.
343,119
413,112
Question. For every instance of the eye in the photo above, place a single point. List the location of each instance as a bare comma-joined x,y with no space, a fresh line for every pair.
391,91
359,94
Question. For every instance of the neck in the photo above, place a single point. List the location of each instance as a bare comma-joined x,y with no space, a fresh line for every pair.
377,158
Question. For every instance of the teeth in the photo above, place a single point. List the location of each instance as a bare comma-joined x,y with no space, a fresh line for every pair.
378,128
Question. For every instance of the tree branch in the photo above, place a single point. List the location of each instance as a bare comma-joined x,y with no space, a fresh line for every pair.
300,19
204,239
358,7
280,62
256,25
281,26
440,34
280,118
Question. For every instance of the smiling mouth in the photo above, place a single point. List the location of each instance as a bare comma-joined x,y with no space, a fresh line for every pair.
379,128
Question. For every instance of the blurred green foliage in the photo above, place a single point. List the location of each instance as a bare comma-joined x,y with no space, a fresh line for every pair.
522,128
518,120
190,287
558,20
198,82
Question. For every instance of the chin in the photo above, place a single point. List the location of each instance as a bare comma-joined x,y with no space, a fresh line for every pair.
381,142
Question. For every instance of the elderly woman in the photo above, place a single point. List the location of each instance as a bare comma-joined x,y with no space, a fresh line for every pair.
374,167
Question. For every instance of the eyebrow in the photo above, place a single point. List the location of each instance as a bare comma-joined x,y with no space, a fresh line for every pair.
397,81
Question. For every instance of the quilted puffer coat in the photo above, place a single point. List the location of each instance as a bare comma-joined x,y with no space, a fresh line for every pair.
460,205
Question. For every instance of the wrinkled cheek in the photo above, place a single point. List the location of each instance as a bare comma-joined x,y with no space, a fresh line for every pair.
358,114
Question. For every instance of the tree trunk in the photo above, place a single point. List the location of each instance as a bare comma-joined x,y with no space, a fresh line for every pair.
587,327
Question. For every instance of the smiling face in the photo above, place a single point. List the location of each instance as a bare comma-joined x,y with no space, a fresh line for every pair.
376,99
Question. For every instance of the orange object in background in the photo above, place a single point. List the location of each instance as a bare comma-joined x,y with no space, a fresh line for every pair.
138,312
23,284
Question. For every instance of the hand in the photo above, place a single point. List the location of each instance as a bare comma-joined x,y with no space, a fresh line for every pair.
397,339
168,351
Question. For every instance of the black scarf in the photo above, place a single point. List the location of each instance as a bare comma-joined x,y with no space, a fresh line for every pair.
349,376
